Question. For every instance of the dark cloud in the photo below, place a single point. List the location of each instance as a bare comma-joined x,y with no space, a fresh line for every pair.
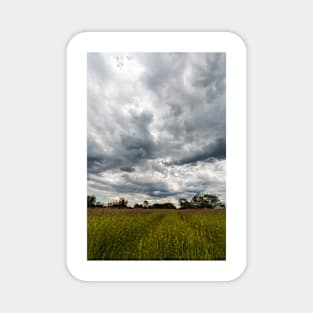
215,150
156,124
128,169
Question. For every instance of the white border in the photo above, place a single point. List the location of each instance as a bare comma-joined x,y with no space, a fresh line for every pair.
77,263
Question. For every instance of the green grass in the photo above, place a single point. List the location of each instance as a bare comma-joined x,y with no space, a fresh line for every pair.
156,234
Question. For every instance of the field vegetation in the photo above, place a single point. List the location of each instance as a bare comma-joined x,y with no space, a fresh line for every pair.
156,234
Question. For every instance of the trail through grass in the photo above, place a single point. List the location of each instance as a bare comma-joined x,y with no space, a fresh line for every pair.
157,235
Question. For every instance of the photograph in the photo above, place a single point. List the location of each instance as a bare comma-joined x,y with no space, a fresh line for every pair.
156,156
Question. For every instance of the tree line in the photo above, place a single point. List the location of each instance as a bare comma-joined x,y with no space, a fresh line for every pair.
198,201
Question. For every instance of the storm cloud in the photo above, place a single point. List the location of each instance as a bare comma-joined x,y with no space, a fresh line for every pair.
156,125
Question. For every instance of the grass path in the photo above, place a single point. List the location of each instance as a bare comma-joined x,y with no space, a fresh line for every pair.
116,237
157,235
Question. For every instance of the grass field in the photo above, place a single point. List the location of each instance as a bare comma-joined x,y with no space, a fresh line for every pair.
139,234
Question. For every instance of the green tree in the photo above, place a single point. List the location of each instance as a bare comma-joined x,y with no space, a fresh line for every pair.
91,201
122,203
184,203
204,201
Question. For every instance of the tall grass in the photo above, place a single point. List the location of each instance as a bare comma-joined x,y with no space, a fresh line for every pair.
157,235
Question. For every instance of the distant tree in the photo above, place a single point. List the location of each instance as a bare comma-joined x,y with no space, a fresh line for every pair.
122,203
138,206
99,204
204,201
169,205
220,204
166,205
145,204
91,201
184,203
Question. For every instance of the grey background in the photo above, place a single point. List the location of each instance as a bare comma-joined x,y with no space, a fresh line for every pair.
32,168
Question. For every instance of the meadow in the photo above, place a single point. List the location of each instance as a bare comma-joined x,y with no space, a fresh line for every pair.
151,234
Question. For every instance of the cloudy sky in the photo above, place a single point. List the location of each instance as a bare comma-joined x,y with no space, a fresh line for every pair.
156,125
